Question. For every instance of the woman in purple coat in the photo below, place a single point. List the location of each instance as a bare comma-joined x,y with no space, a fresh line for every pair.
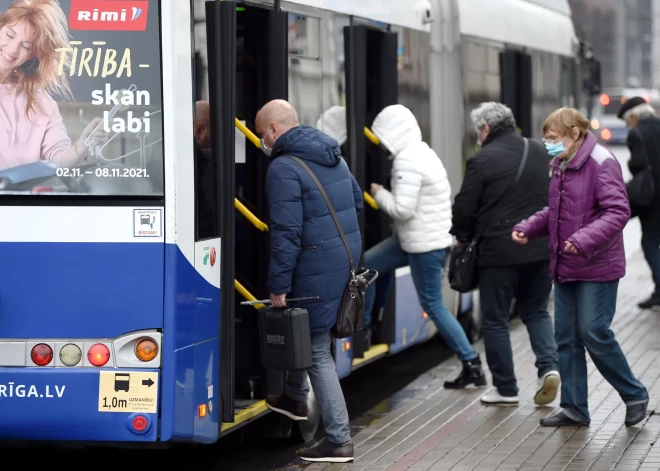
588,209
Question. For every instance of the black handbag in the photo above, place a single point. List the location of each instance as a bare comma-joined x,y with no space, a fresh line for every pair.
463,261
641,189
350,317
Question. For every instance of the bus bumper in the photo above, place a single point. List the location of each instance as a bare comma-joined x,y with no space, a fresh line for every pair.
88,405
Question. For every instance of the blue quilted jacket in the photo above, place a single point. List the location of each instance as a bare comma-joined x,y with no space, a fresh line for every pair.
308,257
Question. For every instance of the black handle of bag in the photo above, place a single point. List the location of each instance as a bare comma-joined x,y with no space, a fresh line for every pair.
330,207
513,184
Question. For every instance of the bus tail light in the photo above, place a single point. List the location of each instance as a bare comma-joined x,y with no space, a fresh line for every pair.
42,354
139,423
146,349
98,355
70,355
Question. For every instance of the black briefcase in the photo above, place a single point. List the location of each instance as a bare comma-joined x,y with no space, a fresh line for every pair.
285,339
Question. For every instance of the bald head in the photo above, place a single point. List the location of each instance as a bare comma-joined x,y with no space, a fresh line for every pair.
274,119
280,112
203,124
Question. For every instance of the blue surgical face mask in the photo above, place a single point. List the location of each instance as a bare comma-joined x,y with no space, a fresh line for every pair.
555,148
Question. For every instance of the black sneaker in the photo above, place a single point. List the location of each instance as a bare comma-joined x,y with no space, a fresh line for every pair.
636,413
286,406
327,452
472,375
650,303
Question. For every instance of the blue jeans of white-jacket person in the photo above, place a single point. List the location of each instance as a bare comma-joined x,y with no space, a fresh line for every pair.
325,383
426,271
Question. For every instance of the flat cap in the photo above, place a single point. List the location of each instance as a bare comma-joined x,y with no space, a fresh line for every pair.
629,105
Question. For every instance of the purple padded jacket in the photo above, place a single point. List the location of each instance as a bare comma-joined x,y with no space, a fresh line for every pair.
588,206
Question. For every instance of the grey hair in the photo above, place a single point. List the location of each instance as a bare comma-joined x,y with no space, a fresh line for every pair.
639,110
495,115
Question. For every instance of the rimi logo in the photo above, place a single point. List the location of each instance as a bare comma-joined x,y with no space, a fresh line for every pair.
109,15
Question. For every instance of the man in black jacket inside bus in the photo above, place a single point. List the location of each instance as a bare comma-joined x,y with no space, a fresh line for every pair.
487,207
644,145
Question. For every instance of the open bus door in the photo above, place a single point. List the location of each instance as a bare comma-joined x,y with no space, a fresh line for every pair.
221,37
371,85
516,87
247,49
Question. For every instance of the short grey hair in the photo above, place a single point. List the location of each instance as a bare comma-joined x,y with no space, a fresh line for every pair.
639,110
495,115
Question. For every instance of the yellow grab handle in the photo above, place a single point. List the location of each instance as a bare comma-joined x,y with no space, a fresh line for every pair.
249,134
371,136
370,201
246,294
249,216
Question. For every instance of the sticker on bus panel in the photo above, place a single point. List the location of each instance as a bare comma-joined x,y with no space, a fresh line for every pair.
128,391
147,223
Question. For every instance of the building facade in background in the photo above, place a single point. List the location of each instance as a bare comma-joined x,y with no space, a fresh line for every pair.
621,33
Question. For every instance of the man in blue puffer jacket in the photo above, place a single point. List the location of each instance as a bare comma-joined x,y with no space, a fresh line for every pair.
309,259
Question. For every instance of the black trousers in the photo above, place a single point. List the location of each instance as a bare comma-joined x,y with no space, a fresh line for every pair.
530,285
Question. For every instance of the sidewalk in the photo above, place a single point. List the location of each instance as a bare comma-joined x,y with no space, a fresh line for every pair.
438,429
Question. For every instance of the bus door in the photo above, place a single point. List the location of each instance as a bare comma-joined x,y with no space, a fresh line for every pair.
371,85
247,68
516,87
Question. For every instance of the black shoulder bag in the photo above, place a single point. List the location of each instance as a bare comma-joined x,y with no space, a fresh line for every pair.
641,189
463,263
350,317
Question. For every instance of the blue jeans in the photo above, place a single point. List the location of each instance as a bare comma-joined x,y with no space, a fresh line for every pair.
426,270
325,383
583,316
651,248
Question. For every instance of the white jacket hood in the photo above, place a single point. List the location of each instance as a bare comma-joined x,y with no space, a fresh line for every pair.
419,201
333,123
397,128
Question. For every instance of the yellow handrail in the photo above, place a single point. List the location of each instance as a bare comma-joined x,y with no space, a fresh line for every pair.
371,136
246,294
249,216
249,134
257,142
370,201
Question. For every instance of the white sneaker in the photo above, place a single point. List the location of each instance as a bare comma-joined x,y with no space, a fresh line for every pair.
496,399
546,392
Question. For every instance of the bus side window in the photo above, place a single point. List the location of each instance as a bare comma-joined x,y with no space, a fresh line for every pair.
206,211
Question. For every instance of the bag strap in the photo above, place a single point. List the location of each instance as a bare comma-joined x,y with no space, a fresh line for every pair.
521,167
330,207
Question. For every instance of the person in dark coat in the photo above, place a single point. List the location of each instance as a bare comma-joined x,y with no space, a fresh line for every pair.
644,145
309,259
486,208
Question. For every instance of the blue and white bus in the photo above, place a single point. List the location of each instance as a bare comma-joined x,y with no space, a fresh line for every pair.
145,247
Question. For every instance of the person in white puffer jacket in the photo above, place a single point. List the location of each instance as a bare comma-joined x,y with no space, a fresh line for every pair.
420,205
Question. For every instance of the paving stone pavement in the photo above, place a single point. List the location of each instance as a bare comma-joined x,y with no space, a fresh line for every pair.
443,430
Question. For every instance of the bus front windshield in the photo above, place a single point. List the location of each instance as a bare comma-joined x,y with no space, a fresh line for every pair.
80,98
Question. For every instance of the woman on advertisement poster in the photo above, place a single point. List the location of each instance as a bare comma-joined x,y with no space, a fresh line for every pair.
32,128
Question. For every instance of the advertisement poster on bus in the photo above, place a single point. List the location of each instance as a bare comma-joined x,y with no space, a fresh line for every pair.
80,97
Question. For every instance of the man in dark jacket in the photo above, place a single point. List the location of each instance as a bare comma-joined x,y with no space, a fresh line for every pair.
644,145
486,208
309,259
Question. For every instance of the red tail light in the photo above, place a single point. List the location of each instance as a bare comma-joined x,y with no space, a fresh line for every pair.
140,423
42,354
98,355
